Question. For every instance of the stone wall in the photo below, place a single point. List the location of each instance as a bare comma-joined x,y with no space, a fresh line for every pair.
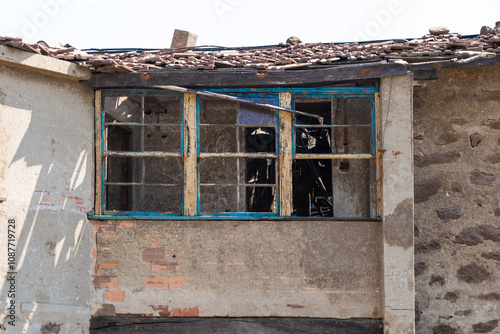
457,201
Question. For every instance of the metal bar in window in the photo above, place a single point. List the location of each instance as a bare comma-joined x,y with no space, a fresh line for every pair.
98,153
331,156
259,155
236,99
152,154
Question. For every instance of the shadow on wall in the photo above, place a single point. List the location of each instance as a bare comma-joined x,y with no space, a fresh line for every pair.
48,183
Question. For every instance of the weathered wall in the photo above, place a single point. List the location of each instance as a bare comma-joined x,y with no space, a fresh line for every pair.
237,268
46,163
457,201
397,204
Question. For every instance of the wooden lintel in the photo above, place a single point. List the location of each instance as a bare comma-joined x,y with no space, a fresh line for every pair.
244,79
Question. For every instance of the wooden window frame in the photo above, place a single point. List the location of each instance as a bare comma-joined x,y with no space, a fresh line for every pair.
285,151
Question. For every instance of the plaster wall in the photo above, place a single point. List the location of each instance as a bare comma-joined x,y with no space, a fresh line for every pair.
397,205
457,201
237,269
46,164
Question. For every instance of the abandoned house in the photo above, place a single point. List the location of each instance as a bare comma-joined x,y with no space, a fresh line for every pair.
325,187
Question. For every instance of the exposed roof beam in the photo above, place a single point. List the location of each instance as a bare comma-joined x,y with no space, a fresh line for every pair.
249,78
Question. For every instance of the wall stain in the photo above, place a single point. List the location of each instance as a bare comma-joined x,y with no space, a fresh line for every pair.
294,306
105,310
398,226
2,97
50,328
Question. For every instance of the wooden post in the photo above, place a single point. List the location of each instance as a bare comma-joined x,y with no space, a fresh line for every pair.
190,156
285,159
98,153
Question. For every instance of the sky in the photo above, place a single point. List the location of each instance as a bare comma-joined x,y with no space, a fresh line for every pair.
150,23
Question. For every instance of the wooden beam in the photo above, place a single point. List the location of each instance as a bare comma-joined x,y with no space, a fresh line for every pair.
246,78
142,324
285,158
190,156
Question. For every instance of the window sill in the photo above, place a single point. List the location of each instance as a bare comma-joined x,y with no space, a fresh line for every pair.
228,217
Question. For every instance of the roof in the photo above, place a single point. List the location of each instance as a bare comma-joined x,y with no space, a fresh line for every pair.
440,45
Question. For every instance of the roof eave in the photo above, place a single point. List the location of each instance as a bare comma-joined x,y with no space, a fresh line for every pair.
249,78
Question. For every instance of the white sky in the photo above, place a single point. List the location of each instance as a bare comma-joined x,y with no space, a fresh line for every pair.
150,23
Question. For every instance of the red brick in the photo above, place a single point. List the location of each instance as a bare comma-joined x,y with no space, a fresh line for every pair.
186,312
114,295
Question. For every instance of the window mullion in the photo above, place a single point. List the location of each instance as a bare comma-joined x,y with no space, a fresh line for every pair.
285,155
190,156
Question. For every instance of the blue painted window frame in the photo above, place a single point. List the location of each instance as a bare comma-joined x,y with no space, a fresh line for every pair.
301,92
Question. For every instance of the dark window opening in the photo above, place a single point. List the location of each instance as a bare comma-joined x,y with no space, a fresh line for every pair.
341,184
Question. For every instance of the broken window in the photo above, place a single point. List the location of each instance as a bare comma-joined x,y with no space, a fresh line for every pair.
333,172
143,170
239,165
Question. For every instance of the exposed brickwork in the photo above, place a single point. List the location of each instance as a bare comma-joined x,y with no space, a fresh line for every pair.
115,295
457,201
186,312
